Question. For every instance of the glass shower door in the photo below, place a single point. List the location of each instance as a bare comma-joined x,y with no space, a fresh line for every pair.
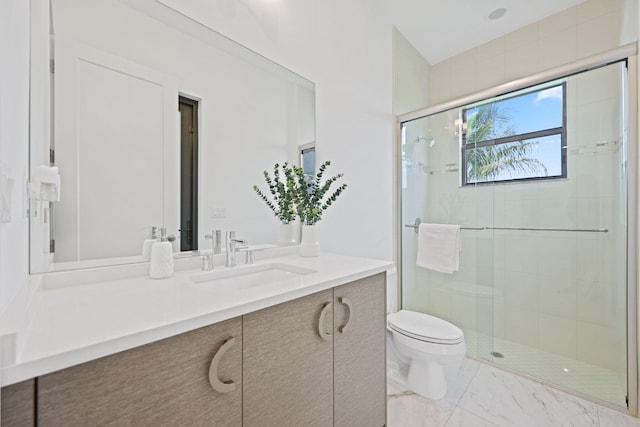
563,315
432,193
542,202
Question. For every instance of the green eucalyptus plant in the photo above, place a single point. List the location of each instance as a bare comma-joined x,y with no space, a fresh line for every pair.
283,192
310,194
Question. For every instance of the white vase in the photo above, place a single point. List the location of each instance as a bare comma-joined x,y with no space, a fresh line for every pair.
309,246
287,235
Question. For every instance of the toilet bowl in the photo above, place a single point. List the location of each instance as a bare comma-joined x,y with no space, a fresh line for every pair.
419,348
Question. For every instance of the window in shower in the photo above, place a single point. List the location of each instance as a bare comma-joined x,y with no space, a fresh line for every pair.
519,136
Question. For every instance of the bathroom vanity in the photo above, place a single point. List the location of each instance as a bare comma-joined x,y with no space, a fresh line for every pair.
306,347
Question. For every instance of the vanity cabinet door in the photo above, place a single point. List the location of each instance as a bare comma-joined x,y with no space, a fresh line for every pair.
287,365
165,383
359,353
17,407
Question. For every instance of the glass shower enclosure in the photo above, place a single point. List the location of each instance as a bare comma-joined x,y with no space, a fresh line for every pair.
537,181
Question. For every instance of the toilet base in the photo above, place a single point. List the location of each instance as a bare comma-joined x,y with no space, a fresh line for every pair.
427,379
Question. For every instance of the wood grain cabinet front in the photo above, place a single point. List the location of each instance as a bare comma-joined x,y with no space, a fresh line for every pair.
17,408
165,383
287,365
318,360
359,362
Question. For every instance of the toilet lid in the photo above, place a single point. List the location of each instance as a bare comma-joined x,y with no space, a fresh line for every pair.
425,327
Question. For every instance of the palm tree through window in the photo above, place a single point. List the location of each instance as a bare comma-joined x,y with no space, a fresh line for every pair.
518,136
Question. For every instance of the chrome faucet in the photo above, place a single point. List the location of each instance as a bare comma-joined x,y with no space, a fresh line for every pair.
231,245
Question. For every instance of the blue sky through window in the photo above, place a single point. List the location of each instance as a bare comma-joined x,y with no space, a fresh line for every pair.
529,112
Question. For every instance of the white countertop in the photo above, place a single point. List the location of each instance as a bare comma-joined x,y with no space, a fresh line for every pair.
74,317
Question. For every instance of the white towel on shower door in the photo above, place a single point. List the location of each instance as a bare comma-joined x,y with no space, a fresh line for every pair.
439,247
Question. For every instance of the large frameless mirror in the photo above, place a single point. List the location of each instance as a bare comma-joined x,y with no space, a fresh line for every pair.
152,120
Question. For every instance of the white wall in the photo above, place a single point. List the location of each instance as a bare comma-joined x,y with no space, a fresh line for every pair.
14,134
345,48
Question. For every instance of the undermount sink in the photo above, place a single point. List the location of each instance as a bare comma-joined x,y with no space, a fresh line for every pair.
242,278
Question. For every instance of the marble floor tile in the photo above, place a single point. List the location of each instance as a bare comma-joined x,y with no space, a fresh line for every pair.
462,418
459,383
610,418
407,409
508,400
552,368
485,396
456,387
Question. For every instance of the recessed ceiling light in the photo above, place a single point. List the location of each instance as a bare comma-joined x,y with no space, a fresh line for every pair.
498,13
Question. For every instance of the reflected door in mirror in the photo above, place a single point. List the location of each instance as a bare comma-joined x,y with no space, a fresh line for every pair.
109,148
188,173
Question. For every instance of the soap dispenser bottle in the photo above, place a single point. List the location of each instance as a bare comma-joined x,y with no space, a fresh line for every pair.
161,263
148,242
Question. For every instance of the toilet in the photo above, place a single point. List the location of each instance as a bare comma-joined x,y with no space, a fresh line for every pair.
420,349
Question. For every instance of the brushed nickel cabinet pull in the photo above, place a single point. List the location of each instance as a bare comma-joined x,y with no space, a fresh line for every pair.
346,302
218,385
324,335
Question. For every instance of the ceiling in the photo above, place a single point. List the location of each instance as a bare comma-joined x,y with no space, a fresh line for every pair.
440,29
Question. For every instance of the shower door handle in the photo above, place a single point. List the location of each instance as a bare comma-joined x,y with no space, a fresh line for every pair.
347,302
